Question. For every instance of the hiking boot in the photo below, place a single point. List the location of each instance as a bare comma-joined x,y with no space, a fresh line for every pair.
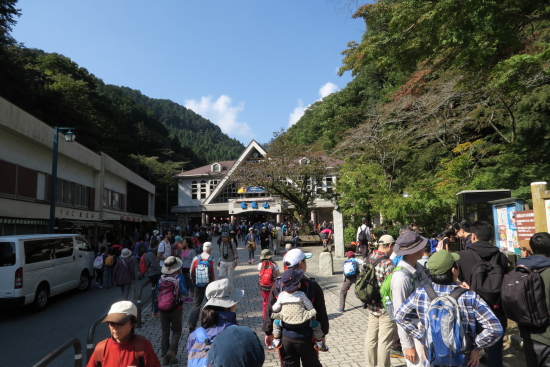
321,346
165,360
172,357
395,353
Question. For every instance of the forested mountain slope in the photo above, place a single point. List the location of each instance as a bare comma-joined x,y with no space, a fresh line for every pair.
447,95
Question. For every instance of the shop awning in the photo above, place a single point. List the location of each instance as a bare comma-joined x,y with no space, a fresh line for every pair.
90,224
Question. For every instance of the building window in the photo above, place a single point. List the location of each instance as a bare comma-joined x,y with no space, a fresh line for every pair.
216,167
229,192
213,185
203,189
194,190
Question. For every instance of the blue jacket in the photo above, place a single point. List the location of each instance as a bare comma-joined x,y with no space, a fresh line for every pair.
225,319
183,291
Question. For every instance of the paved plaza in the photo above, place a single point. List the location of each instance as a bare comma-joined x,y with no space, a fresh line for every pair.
347,330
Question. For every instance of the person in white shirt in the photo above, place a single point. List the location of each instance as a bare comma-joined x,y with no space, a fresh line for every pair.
364,243
165,248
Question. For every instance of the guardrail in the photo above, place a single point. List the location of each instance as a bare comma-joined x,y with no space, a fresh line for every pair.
56,353
140,304
91,333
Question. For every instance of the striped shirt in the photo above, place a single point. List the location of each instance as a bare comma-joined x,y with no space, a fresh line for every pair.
472,309
382,270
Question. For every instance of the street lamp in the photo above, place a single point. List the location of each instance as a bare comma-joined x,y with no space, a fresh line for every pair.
69,137
171,188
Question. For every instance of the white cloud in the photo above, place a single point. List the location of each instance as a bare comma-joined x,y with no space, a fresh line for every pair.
222,113
297,113
325,90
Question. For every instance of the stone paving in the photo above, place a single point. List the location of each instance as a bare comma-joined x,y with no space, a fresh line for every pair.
347,330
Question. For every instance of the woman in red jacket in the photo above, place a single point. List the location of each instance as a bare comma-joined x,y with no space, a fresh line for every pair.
124,347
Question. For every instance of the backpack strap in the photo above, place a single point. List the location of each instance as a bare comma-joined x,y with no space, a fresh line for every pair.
201,336
139,350
457,292
99,352
379,260
430,291
310,292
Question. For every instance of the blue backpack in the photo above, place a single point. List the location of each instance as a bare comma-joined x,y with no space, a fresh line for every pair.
433,245
198,354
447,341
350,267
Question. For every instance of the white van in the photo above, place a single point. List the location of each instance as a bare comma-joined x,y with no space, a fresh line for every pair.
35,267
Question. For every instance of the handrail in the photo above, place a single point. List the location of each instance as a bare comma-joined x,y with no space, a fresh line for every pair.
57,352
140,304
91,333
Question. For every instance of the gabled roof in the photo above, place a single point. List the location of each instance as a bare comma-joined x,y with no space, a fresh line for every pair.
252,146
206,170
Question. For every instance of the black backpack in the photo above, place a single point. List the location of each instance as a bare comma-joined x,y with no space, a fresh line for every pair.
523,297
486,280
362,237
141,249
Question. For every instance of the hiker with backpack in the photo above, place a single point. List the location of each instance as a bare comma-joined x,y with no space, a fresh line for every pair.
124,347
268,272
351,271
455,323
482,266
530,281
140,249
110,262
229,257
380,327
202,273
362,238
168,302
297,341
217,315
99,266
124,274
293,308
407,276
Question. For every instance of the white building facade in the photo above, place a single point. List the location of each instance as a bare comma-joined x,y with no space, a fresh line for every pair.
208,195
94,191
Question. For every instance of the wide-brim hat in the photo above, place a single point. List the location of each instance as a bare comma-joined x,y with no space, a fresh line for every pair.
125,253
155,232
171,265
222,293
265,255
121,312
409,243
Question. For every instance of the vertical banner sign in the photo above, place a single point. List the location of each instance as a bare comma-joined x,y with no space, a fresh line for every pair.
525,223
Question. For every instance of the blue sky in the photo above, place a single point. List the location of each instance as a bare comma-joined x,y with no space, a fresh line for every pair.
250,66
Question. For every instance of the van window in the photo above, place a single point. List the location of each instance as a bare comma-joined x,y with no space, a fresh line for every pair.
64,247
39,250
7,253
82,244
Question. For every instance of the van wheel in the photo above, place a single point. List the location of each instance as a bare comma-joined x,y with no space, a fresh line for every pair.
41,298
84,281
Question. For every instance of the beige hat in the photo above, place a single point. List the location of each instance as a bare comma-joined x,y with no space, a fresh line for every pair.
121,312
386,239
265,255
125,253
171,265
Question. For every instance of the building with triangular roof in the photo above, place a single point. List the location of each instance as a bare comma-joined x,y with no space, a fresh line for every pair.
208,195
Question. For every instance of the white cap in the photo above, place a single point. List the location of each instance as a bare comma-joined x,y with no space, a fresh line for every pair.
294,256
207,246
121,312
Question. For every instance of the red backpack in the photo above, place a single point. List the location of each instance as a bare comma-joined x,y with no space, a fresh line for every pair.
169,296
142,268
267,275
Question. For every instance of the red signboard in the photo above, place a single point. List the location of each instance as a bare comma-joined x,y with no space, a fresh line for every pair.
525,224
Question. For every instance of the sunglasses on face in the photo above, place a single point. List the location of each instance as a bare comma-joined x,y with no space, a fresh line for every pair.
114,324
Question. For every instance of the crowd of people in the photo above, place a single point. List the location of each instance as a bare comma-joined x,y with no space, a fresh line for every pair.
437,301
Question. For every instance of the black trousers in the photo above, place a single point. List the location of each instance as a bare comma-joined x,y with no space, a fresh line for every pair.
536,354
294,350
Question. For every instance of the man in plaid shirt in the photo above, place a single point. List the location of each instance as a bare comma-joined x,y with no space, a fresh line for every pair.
380,328
444,274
